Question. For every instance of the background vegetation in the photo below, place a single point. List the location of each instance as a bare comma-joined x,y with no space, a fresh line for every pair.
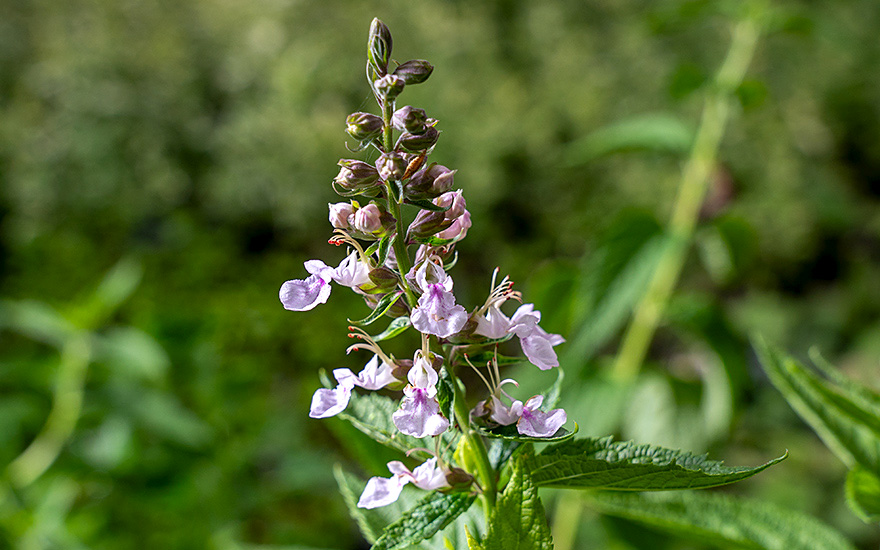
186,149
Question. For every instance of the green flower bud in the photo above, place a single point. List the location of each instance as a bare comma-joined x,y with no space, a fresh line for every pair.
458,480
409,119
383,279
415,142
363,126
389,86
391,166
379,46
415,71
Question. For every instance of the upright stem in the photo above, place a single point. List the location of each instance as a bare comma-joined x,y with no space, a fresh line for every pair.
485,471
399,244
691,192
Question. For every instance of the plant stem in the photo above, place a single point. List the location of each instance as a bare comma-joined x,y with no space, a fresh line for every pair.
485,471
399,244
691,193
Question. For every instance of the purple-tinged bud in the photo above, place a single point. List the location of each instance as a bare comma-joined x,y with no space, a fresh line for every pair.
355,175
379,46
458,230
339,215
368,219
429,223
391,166
389,86
383,280
414,71
416,142
455,201
399,309
458,479
409,119
363,126
429,182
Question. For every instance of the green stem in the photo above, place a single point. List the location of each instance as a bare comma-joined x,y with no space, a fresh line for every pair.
485,471
66,408
691,193
399,244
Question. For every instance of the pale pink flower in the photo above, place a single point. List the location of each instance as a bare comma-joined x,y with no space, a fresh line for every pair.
381,491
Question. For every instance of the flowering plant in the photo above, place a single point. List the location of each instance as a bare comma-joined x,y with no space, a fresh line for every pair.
472,447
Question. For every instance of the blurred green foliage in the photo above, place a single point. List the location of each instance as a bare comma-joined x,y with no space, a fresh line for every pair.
198,139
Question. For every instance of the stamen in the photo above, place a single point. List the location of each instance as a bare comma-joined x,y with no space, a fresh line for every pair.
343,237
483,378
368,344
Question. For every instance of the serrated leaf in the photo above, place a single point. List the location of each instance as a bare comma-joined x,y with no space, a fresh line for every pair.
371,414
601,463
510,433
722,520
863,494
426,204
845,422
426,519
371,522
518,521
395,328
383,306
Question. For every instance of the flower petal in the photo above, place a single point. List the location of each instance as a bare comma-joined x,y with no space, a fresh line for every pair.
303,295
429,476
419,414
438,314
494,324
539,351
326,403
376,375
381,491
537,423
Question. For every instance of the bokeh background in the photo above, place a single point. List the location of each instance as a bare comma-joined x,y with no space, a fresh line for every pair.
165,166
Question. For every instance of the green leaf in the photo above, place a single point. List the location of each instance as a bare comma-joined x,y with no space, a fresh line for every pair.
863,494
518,521
383,306
384,248
430,515
395,328
371,414
426,204
510,433
649,132
845,420
722,520
601,463
445,392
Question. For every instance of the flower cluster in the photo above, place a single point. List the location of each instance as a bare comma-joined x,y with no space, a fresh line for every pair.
414,288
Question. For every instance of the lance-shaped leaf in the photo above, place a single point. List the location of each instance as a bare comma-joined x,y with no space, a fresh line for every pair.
518,521
426,519
722,521
426,204
383,306
863,494
371,414
395,328
510,433
846,420
601,463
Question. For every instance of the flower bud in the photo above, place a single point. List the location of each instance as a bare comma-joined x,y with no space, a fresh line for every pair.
458,230
363,126
339,214
383,279
429,182
429,223
415,71
409,119
379,46
391,166
416,142
389,86
368,219
399,309
458,479
355,175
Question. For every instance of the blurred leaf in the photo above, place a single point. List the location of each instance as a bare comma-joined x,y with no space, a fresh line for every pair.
601,463
660,132
426,519
518,520
722,520
847,421
134,353
109,445
863,494
396,327
35,320
164,415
